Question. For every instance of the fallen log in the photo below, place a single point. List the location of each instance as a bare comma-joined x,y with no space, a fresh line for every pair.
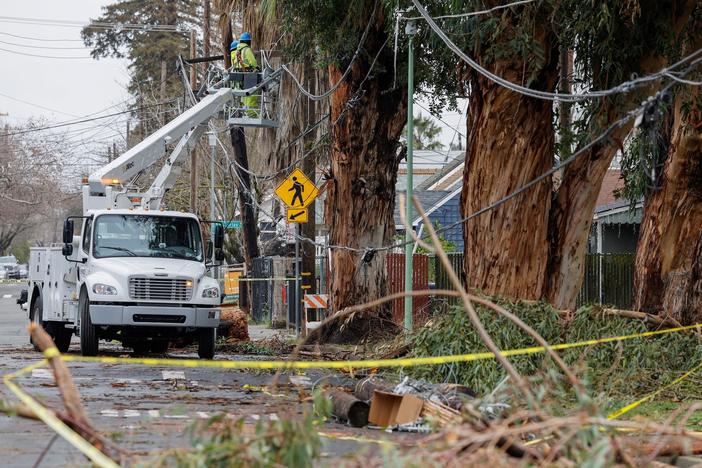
365,388
346,407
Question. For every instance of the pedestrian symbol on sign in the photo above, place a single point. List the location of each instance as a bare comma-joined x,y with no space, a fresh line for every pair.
297,191
297,188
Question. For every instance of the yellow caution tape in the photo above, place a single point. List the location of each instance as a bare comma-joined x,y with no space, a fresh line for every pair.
368,363
51,352
100,459
50,419
364,440
650,396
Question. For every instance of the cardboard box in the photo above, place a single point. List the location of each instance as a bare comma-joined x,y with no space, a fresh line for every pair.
390,409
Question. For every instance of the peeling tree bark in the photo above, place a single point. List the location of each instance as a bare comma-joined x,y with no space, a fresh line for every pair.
367,121
668,272
570,220
510,142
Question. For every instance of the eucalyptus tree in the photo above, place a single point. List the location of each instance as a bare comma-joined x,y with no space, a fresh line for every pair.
667,158
533,245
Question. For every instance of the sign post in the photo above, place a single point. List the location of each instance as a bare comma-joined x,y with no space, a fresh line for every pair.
298,298
297,192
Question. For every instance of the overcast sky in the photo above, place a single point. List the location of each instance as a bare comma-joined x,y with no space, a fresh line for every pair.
61,88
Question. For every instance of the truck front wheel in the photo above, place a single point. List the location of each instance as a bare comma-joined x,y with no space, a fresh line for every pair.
88,331
206,343
36,318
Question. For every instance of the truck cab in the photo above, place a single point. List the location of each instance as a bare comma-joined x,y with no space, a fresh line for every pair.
137,276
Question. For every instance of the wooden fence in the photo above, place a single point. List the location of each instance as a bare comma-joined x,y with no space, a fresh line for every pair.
396,283
608,279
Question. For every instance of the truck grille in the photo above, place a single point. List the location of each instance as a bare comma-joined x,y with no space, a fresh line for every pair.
160,289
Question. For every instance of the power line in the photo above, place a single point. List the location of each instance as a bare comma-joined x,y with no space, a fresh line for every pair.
621,88
476,13
66,124
319,97
44,56
37,105
92,24
40,38
42,47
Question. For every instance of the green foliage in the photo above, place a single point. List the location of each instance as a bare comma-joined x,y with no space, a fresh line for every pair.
222,442
426,133
21,251
145,49
631,367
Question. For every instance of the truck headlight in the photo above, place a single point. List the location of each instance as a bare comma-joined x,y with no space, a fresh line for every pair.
211,292
104,289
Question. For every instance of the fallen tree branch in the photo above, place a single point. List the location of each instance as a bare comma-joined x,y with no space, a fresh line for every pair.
76,417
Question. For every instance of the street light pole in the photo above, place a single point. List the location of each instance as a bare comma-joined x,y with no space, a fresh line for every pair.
410,30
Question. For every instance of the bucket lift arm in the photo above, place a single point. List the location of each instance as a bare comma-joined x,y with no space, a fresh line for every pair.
99,192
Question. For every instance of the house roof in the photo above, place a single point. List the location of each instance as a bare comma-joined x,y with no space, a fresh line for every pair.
428,199
619,211
448,178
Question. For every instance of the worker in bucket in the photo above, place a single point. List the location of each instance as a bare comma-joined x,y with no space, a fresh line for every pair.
243,60
232,51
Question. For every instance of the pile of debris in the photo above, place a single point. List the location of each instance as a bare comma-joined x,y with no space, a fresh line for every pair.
410,406
234,324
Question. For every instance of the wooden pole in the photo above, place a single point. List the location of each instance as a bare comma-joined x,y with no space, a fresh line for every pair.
162,93
206,33
309,167
193,53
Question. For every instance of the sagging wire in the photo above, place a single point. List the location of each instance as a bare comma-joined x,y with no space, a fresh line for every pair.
624,87
329,92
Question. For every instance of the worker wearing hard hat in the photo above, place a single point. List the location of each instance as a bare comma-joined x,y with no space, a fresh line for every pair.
243,59
232,51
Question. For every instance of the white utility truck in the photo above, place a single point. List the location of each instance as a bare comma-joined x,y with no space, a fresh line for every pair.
135,273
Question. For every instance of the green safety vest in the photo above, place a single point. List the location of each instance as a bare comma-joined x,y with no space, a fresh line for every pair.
244,58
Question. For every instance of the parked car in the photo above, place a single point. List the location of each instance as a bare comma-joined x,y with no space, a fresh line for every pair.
9,267
13,271
23,270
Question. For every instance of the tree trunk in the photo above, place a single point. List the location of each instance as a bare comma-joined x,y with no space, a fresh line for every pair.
668,270
361,194
571,219
510,142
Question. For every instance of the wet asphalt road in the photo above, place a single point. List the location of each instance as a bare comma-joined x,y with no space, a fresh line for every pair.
143,409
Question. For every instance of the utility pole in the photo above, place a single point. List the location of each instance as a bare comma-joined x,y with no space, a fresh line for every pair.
114,150
193,152
162,93
410,30
309,167
206,33
126,140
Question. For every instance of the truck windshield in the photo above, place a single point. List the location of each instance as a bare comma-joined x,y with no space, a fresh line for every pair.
147,236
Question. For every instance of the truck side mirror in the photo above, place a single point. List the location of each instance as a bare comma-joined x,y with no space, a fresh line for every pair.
67,250
68,232
218,236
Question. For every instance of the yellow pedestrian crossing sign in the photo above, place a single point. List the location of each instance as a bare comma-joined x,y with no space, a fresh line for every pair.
297,191
296,215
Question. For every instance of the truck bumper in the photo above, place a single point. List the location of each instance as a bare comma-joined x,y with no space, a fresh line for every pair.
155,316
